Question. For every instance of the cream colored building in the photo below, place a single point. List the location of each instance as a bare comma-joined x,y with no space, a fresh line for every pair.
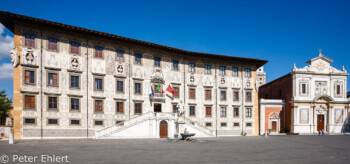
71,82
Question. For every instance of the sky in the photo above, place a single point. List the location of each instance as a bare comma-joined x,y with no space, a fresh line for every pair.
283,32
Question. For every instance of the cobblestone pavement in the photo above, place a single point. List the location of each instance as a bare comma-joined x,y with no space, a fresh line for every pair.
272,149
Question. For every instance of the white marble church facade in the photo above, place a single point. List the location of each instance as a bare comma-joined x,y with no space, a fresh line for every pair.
319,100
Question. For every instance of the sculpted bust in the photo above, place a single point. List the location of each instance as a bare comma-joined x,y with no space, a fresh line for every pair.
14,57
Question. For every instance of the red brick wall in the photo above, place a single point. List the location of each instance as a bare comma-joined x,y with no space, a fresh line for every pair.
281,88
268,111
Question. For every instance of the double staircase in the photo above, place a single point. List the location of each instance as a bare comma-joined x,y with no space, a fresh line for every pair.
111,131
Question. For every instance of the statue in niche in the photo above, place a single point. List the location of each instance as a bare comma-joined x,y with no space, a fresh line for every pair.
14,57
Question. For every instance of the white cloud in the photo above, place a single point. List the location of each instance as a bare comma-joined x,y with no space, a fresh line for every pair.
6,43
6,71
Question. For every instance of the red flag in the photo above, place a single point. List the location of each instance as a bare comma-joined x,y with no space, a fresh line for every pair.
162,91
170,89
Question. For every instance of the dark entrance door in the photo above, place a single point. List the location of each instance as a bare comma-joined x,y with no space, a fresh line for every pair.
320,122
163,129
157,107
274,126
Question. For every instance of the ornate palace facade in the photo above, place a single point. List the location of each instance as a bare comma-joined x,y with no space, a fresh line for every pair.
75,82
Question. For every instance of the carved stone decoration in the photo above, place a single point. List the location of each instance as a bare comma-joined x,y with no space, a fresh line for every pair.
74,62
248,84
320,65
14,57
207,82
192,78
320,88
222,81
157,76
29,56
120,69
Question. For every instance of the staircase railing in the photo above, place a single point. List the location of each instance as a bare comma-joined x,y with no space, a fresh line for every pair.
107,130
199,126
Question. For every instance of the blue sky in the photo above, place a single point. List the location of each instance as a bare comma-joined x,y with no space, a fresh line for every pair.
280,31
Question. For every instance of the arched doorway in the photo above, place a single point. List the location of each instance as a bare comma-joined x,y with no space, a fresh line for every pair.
163,129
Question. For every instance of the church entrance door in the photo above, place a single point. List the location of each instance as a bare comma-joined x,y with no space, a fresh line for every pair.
320,122
163,129
274,126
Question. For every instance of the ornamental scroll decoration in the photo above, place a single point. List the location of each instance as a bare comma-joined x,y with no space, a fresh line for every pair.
14,57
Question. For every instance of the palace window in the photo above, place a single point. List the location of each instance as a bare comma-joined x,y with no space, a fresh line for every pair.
235,71
52,102
98,52
98,84
30,40
223,95
208,94
120,86
177,92
74,104
191,67
120,107
138,108
75,122
175,65
248,124
29,121
98,123
120,55
223,124
222,70
137,88
236,124
137,58
98,105
29,77
29,102
235,112
192,110
248,97
52,121
248,112
74,81
208,111
208,124
156,61
235,96
52,79
192,93
52,44
74,47
207,69
223,111
175,108
248,72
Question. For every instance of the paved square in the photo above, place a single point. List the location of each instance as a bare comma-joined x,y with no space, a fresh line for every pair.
272,149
